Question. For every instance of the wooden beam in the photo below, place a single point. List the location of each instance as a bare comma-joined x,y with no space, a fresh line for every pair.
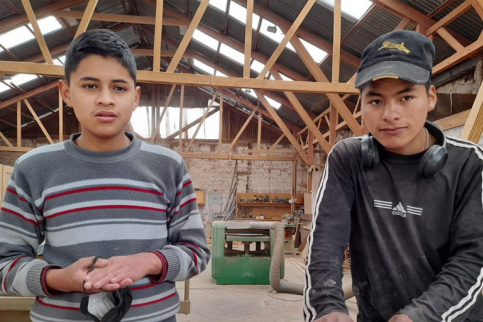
86,18
61,117
474,124
38,34
4,138
337,40
16,21
145,76
39,122
306,35
449,39
19,124
187,36
305,117
288,35
240,132
130,19
459,56
26,95
220,131
320,77
189,126
276,142
452,16
452,121
158,35
232,157
284,129
181,104
248,39
205,115
166,104
259,132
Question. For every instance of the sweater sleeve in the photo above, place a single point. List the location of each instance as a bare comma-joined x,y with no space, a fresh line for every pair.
458,286
21,232
187,253
328,239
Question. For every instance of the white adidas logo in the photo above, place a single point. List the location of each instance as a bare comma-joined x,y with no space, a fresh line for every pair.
399,210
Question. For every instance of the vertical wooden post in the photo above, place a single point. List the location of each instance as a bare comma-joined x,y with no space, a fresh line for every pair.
19,124
181,103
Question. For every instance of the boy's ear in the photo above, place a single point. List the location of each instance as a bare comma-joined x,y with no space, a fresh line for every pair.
138,97
432,98
65,92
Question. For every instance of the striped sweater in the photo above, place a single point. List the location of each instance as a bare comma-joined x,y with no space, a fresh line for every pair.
84,203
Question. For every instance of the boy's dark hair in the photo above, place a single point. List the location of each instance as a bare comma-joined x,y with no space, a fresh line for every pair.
103,42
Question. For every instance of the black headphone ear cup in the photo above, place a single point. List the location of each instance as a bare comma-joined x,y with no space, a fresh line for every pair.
369,152
432,161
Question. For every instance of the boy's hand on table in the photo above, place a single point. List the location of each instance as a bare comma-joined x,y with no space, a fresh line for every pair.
71,278
335,317
122,271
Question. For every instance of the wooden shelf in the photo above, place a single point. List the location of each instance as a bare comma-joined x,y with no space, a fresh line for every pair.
265,211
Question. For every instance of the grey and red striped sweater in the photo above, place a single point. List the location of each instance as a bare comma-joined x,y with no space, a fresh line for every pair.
84,203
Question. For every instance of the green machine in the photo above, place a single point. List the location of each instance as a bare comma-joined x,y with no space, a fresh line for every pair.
241,254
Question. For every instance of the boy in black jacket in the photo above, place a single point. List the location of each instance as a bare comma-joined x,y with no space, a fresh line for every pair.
406,198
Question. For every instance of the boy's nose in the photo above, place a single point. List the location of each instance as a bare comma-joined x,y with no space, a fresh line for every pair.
391,112
105,97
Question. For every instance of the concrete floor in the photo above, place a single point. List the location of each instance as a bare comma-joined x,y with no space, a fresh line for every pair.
241,303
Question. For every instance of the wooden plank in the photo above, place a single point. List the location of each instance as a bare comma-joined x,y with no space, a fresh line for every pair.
38,34
187,36
39,122
86,18
288,35
403,24
453,121
208,156
459,56
248,39
158,27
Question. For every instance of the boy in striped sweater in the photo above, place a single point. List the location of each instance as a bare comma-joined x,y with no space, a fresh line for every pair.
118,216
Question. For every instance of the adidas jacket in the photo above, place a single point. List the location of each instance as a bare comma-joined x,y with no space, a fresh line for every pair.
416,244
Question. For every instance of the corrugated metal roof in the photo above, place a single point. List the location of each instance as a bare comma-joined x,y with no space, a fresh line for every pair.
319,22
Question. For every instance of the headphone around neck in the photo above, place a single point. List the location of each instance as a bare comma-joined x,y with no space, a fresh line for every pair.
433,160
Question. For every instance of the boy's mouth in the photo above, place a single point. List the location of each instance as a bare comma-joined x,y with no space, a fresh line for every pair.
106,116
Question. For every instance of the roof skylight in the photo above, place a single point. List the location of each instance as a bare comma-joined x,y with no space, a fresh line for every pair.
206,40
276,36
354,8
207,69
232,54
240,13
3,87
257,66
48,25
317,54
276,105
20,79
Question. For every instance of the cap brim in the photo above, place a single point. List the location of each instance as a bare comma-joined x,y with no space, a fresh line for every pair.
393,69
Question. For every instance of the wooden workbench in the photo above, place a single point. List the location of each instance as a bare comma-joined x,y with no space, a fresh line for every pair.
13,308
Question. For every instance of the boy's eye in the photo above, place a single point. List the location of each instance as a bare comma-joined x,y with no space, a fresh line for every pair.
407,98
90,86
375,102
119,88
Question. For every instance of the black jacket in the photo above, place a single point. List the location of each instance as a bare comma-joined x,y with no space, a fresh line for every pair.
416,244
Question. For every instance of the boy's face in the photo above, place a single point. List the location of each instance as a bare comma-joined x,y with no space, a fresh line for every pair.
103,96
395,111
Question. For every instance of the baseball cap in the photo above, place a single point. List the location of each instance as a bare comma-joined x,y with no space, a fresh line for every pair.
399,54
